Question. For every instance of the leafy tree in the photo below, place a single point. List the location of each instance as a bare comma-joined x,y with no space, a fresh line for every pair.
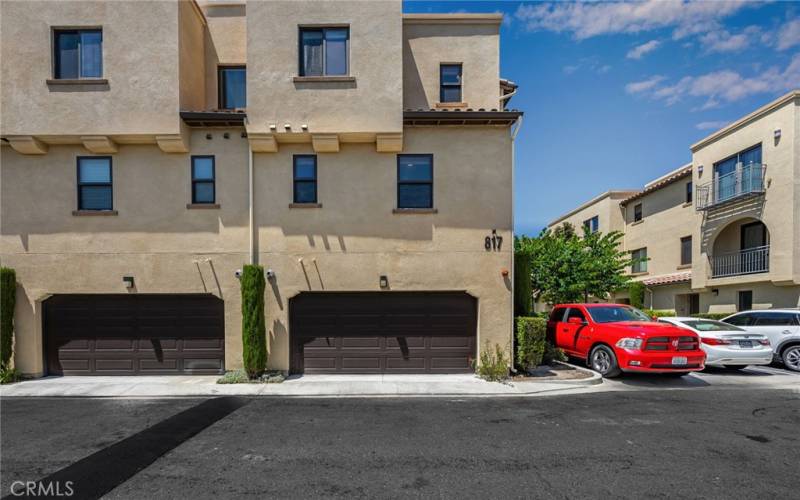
8,297
566,267
636,294
523,293
254,334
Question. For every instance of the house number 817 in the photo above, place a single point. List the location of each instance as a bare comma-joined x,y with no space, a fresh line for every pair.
493,242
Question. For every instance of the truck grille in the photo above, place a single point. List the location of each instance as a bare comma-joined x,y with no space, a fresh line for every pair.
666,344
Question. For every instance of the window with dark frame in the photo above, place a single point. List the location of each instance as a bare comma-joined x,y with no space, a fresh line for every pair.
77,54
203,180
305,178
450,82
592,224
637,212
640,258
686,250
415,181
689,194
324,51
95,190
232,84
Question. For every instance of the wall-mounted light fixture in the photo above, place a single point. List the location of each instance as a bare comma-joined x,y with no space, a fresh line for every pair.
715,291
226,135
777,133
270,274
699,170
383,281
504,272
128,280
209,136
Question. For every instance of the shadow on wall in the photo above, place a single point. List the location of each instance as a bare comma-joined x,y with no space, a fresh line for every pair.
715,221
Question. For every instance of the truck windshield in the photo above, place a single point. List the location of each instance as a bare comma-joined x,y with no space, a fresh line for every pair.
613,314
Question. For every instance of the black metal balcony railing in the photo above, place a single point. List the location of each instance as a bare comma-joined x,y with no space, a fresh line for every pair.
747,180
749,261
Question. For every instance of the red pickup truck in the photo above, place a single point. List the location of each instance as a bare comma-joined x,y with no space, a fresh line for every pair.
616,338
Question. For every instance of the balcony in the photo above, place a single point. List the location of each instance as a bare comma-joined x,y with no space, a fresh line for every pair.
745,181
748,261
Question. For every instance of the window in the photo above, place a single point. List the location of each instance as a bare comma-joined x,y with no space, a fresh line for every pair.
640,258
776,319
686,250
557,314
78,54
742,320
575,313
637,212
614,314
323,51
203,186
305,178
232,83
94,183
694,303
450,83
745,300
688,192
414,181
592,224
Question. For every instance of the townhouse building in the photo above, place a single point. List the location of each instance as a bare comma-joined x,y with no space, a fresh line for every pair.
722,233
361,155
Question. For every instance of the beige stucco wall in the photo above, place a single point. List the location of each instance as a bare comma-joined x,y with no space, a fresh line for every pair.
476,46
665,220
372,103
606,208
141,96
225,43
775,208
191,48
354,237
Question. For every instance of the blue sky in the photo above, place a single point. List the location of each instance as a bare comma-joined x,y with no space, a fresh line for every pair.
614,93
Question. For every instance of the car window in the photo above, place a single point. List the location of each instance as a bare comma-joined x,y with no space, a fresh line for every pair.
612,314
557,314
575,313
707,325
775,319
741,320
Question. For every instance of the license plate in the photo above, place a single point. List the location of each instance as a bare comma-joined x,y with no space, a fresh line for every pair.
679,360
745,343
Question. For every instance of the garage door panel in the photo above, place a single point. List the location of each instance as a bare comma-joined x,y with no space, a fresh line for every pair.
388,332
133,334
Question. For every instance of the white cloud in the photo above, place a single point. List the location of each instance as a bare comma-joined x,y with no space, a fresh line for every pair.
789,35
644,85
641,50
568,70
604,69
713,125
723,41
585,20
720,87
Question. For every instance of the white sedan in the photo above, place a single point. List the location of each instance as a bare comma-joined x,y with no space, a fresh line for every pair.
726,345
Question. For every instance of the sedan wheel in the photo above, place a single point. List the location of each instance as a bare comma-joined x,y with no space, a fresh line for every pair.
791,358
604,361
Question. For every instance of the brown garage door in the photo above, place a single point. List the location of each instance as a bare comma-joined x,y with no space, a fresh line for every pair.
134,334
386,332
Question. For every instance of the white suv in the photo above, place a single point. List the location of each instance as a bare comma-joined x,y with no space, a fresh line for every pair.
781,326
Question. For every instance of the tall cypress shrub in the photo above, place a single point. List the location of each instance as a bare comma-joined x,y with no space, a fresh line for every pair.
636,293
523,291
254,332
8,299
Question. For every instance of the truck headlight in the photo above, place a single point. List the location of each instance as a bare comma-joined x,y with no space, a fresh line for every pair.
629,343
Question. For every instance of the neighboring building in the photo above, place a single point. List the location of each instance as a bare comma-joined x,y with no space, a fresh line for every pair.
363,156
722,234
598,214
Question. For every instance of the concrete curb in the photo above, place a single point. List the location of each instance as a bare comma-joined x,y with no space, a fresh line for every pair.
594,379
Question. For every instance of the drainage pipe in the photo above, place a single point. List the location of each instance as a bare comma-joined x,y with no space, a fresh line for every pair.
513,167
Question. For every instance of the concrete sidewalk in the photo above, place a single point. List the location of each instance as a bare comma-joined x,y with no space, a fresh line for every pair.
300,386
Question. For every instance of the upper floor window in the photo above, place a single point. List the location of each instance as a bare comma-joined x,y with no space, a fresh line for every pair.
305,178
640,261
688,192
78,54
323,51
450,83
203,180
637,212
94,183
592,224
414,181
232,87
686,250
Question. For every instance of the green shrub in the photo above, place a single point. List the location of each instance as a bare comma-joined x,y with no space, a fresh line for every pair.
716,316
254,332
8,298
660,313
523,291
493,365
241,377
636,293
9,375
533,349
